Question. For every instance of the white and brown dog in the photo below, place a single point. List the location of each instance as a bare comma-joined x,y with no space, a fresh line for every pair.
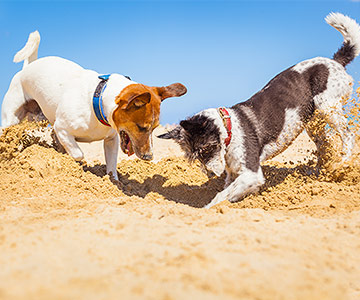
83,106
239,138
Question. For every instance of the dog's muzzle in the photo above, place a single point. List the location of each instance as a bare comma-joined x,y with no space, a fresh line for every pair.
147,156
210,174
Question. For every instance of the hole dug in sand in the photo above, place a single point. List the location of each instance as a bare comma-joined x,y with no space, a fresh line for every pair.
31,169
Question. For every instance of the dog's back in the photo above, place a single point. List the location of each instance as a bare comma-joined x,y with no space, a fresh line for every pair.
48,79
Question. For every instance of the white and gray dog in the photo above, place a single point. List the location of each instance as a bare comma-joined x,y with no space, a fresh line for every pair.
239,138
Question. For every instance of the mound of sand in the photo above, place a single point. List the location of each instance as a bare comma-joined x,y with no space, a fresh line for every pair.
27,156
68,231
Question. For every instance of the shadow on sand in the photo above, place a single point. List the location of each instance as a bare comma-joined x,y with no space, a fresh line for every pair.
194,195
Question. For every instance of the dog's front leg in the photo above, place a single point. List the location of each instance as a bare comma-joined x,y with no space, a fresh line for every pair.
111,148
230,176
69,143
247,182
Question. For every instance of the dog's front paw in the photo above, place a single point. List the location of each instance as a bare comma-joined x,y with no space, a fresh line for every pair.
113,175
207,206
219,198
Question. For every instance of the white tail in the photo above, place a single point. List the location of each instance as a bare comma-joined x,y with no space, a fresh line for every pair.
30,51
350,30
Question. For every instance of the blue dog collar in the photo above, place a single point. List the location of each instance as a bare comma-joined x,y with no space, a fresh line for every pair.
97,100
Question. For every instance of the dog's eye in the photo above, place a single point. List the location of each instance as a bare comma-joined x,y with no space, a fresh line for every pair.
206,153
203,152
143,129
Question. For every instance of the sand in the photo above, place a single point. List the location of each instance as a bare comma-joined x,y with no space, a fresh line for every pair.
67,231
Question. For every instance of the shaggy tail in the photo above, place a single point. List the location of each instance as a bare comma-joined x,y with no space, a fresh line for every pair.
350,30
30,51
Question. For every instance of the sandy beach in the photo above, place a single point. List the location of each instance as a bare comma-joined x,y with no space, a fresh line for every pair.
68,232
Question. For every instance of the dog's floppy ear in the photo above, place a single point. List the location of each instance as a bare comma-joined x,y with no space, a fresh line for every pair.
138,100
135,95
187,125
172,90
174,134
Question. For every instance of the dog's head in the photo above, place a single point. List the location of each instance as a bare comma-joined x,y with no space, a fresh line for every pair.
137,115
200,138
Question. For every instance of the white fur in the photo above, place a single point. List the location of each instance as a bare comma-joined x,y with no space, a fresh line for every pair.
229,158
348,27
247,182
240,181
250,114
235,152
291,129
328,103
29,53
217,164
64,92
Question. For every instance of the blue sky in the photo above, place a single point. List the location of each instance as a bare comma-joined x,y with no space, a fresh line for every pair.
223,51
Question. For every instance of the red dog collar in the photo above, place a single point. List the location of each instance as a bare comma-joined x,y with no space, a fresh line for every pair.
224,114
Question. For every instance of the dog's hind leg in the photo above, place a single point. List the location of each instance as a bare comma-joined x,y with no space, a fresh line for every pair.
13,110
68,142
338,122
316,130
247,182
330,106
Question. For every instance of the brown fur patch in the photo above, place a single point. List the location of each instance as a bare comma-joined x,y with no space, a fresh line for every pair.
138,112
138,120
173,90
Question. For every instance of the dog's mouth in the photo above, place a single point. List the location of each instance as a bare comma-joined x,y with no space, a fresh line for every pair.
125,143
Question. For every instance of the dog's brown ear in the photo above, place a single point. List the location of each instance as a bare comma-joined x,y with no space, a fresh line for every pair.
172,90
138,100
135,95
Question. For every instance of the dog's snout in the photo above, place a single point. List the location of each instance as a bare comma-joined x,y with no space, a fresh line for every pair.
147,156
207,172
210,174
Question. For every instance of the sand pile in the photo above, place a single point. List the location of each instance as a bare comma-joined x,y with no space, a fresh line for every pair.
301,188
31,168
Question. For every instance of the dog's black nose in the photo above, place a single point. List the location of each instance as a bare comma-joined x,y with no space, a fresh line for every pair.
210,174
147,157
